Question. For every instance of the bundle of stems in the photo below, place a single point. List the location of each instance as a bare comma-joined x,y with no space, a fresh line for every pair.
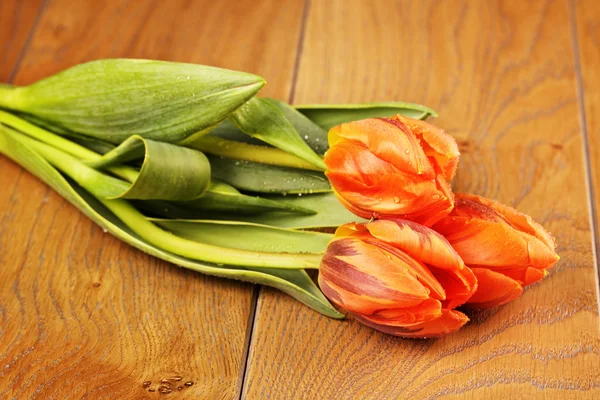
184,162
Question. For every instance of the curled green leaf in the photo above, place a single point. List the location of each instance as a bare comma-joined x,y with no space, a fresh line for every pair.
169,172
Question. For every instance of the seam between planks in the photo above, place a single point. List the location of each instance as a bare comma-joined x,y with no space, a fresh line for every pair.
27,43
254,303
247,341
587,166
299,50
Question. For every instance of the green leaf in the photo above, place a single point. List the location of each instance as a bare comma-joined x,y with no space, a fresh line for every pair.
219,196
314,135
229,141
262,178
229,131
103,188
242,204
330,213
169,172
248,236
329,115
260,119
95,145
113,99
301,279
294,284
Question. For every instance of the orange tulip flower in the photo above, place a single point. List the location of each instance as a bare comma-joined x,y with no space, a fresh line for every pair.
505,249
392,167
398,277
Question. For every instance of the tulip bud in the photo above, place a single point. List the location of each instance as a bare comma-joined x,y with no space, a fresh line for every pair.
398,277
394,167
505,249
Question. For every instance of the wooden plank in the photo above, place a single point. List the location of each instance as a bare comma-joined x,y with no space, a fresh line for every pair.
587,14
501,75
83,315
17,19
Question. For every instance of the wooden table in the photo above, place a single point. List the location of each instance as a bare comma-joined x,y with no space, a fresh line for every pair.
83,315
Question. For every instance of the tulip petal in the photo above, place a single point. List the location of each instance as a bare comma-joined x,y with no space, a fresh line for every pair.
393,196
379,168
436,143
418,241
422,273
494,289
361,303
503,235
367,185
433,249
519,220
388,139
524,275
493,243
366,279
460,285
427,310
355,161
448,322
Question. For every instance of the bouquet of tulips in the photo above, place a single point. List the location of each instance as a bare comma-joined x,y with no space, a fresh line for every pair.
426,250
185,163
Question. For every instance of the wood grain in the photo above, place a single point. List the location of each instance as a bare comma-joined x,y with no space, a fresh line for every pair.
502,76
17,21
83,315
587,16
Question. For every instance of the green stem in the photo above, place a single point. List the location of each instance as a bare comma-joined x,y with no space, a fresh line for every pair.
7,95
204,252
250,152
59,142
127,173
103,186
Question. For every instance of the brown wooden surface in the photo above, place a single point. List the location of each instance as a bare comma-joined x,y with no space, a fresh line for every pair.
587,17
501,75
83,315
504,77
17,22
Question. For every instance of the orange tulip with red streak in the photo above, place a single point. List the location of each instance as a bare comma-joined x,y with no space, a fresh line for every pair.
392,167
505,249
398,277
